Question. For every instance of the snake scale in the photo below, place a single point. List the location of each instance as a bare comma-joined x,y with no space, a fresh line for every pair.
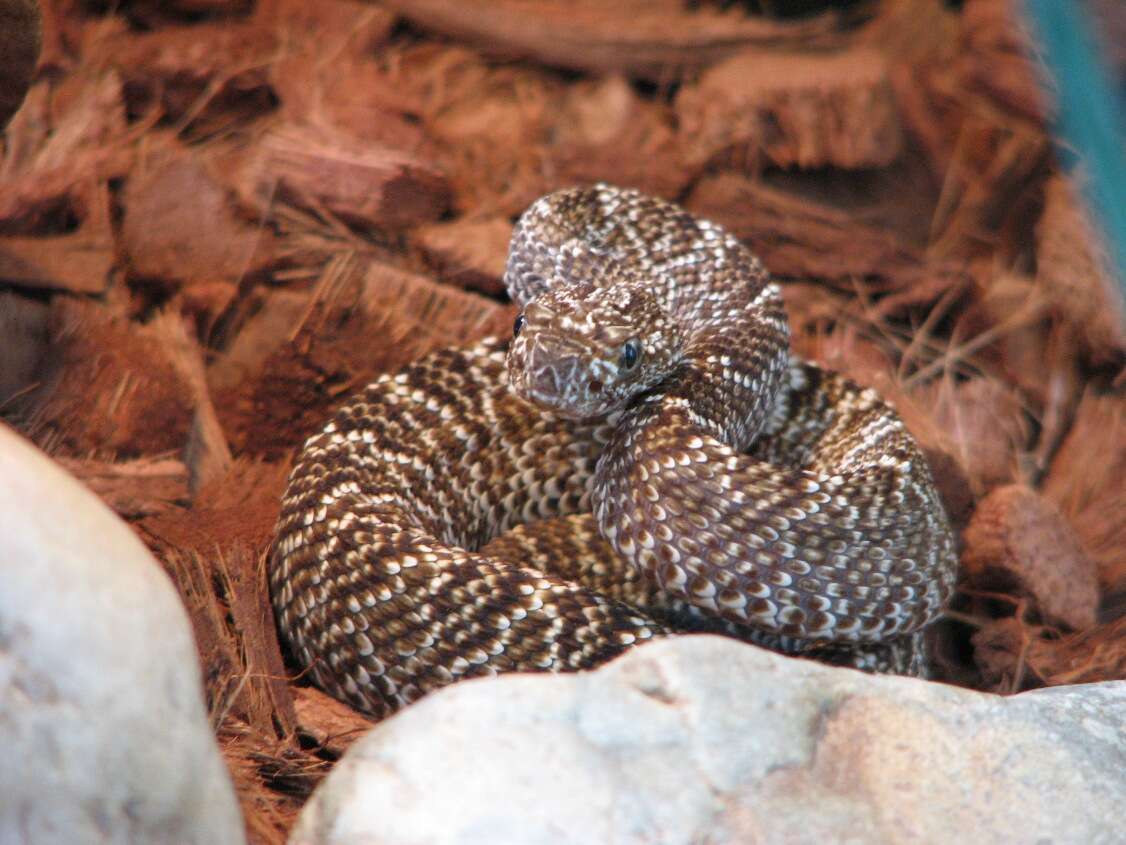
643,457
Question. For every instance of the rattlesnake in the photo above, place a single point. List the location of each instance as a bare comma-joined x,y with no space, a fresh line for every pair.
472,515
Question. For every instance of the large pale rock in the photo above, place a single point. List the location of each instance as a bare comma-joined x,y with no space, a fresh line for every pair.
103,727
701,739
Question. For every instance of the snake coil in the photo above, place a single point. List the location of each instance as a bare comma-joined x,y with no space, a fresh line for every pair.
643,456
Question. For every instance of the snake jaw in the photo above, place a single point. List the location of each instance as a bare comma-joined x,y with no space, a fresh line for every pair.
561,375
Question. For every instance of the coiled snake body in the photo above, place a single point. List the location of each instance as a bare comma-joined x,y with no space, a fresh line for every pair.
648,459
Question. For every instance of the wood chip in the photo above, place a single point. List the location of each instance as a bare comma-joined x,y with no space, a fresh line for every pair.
204,302
1074,272
331,354
989,189
137,488
237,510
203,75
1087,481
1012,655
201,7
332,725
1098,654
792,110
60,150
368,186
985,424
1019,542
268,697
77,263
224,593
180,228
74,263
604,132
328,41
206,453
997,60
799,238
276,318
20,23
653,43
468,253
23,325
338,28
1000,649
493,124
110,388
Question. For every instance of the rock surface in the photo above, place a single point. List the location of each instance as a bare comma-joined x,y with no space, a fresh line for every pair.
705,740
102,720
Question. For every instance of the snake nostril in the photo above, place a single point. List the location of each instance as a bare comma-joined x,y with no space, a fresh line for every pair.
595,386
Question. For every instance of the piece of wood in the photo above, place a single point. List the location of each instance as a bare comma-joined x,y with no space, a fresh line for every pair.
369,186
366,318
179,227
20,23
1097,654
23,326
61,149
137,488
1074,272
203,75
792,110
997,60
799,238
328,30
1087,481
109,388
1018,542
207,7
238,509
653,43
468,253
1014,655
603,131
985,423
76,263
273,319
206,452
331,724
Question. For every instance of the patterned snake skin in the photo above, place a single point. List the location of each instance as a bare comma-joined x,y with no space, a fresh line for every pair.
643,457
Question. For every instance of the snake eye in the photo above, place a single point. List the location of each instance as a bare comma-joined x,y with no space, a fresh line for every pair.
631,351
518,326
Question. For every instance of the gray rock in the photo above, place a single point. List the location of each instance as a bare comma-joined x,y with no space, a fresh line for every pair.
706,740
104,732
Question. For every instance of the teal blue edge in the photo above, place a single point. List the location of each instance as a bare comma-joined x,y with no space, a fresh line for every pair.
1089,124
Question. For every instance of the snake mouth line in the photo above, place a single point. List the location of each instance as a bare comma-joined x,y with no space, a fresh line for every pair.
561,406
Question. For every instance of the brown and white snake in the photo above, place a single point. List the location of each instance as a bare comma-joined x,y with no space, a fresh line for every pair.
643,457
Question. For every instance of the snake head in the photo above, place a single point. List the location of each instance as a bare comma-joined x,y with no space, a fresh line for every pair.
585,351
